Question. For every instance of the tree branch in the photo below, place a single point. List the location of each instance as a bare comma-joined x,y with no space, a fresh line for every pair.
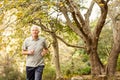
68,21
101,21
74,8
69,44
88,13
80,22
41,25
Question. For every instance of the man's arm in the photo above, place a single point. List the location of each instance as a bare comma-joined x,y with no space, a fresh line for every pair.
25,52
44,52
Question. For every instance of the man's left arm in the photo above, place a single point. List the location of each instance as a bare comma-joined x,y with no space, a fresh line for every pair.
45,49
44,52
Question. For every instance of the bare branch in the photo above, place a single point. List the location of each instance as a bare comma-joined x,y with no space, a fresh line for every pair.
88,13
80,27
49,45
69,44
75,29
102,18
75,9
41,25
84,31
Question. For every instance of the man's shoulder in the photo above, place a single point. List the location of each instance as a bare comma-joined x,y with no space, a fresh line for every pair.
28,38
43,38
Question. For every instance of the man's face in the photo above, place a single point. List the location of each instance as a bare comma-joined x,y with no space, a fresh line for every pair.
34,31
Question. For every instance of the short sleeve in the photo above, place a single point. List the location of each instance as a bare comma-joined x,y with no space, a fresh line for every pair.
45,44
24,46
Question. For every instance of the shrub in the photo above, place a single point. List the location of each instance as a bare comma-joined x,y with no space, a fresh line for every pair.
49,73
11,73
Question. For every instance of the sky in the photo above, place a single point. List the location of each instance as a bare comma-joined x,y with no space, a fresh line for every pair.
93,16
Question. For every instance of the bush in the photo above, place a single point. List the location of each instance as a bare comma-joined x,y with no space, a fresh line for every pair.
85,70
11,73
49,73
77,65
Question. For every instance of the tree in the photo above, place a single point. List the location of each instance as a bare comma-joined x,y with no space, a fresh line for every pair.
82,29
114,15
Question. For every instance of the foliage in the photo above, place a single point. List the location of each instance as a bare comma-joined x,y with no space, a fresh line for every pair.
49,72
105,44
118,63
74,67
12,73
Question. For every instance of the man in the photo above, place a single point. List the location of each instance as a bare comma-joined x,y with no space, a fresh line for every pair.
35,48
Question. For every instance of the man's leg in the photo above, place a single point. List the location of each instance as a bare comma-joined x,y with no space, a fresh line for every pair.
38,72
30,71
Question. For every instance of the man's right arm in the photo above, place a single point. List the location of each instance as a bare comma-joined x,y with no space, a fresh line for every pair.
25,52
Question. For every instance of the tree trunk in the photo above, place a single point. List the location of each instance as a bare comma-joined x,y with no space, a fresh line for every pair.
96,65
112,61
56,57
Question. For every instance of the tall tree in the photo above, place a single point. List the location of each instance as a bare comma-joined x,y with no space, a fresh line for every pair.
114,14
82,28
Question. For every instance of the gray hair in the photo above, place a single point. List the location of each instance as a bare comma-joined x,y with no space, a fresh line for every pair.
35,26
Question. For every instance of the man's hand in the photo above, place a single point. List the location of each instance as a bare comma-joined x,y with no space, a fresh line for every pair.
31,52
44,52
